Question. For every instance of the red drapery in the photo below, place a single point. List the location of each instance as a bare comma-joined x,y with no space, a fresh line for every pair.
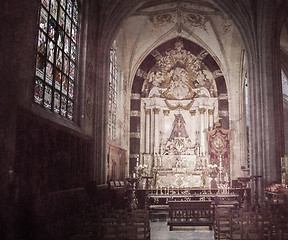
218,142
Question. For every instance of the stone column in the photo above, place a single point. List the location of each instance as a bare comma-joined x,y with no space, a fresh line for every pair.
147,130
156,130
202,128
193,127
266,140
210,119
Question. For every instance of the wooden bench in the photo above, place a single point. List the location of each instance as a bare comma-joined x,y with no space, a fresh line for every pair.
158,212
190,213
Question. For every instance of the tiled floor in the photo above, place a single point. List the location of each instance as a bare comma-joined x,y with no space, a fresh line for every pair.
160,231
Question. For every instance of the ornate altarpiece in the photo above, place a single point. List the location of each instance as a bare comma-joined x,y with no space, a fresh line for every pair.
179,105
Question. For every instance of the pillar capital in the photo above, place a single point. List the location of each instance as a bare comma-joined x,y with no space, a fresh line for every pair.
147,112
156,110
202,110
210,111
166,112
192,112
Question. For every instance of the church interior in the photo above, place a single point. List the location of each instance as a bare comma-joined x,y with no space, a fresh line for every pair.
120,114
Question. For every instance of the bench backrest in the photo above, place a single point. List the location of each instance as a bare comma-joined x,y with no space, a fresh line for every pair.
178,205
190,209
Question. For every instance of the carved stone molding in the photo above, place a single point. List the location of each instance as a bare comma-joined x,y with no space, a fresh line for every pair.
135,96
135,135
223,96
135,114
197,20
224,113
162,19
134,156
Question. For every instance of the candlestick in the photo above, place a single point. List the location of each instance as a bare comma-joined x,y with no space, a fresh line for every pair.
220,161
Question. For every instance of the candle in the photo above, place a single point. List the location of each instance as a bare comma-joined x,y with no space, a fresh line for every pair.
220,161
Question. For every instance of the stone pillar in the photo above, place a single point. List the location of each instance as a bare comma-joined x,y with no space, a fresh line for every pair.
193,127
147,130
266,140
210,119
202,130
156,130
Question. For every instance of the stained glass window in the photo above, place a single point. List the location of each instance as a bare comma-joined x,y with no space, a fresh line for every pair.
112,103
56,59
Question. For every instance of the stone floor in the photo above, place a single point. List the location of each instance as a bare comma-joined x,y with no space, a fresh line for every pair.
160,231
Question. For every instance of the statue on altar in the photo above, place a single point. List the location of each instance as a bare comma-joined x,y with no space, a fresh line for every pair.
179,142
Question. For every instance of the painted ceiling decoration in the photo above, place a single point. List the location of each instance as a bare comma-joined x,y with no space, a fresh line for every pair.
184,15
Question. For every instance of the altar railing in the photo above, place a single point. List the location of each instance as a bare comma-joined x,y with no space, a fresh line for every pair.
163,196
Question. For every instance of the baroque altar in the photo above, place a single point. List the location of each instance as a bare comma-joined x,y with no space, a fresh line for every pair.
179,105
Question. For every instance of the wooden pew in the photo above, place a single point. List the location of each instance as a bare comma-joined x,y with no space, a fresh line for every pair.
190,213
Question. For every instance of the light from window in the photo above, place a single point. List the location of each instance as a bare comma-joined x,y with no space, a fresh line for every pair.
56,56
113,86
284,85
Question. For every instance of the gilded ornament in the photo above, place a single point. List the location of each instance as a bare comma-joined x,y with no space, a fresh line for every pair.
192,112
202,110
210,111
147,111
166,112
156,110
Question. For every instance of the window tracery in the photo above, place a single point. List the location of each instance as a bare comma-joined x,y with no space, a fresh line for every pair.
56,58
114,76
